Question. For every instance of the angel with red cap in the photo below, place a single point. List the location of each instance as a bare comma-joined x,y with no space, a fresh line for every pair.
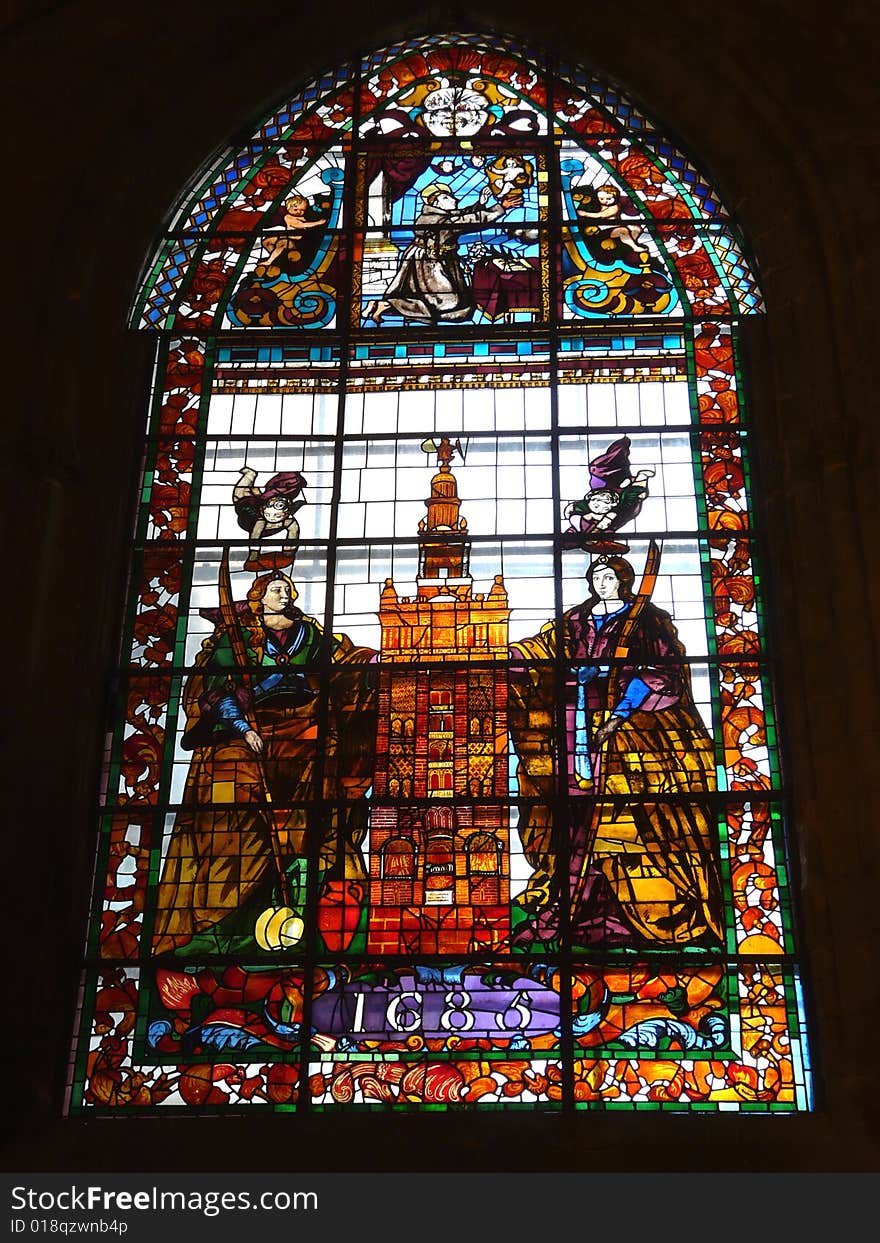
269,513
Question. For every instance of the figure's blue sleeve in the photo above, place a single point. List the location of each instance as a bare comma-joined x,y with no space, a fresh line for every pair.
632,699
271,682
229,711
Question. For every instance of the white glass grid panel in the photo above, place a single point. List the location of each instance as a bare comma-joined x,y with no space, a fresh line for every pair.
304,414
258,413
505,486
449,411
624,405
220,413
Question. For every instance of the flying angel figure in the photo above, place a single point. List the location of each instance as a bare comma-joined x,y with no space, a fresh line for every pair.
269,514
614,498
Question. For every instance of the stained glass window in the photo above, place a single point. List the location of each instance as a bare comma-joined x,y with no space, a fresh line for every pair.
446,771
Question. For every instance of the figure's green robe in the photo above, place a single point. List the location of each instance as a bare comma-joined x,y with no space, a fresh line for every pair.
220,857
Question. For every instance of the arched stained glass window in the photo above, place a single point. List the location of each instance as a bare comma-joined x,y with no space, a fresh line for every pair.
448,773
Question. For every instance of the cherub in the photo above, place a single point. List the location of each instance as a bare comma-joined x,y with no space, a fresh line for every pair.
269,513
508,176
278,246
614,498
609,210
598,511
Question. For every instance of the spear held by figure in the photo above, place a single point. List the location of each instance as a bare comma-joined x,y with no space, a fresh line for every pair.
277,927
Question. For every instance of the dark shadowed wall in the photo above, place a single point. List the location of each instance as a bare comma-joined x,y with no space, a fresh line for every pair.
110,108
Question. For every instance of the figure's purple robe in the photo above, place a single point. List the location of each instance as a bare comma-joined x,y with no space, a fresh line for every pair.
662,748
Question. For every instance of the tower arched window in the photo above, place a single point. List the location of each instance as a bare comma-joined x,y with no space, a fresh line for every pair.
456,277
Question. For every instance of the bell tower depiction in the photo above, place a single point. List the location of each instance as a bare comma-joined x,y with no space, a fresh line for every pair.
439,835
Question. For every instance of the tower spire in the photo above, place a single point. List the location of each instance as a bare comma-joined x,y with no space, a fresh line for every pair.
444,549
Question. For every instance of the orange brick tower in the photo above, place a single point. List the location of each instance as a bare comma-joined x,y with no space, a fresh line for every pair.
439,824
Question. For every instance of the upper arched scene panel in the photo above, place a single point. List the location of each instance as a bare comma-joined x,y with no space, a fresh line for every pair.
448,181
